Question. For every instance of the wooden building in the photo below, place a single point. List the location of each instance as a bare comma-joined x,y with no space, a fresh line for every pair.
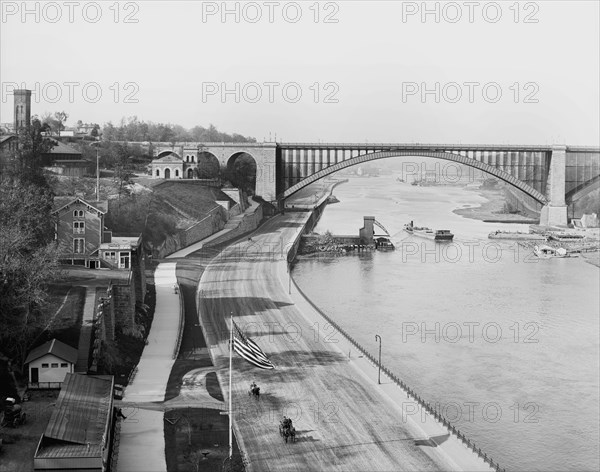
79,433
49,363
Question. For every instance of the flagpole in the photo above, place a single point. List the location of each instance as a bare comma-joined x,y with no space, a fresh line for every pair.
230,402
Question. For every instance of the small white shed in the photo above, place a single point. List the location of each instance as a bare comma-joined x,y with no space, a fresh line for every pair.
49,363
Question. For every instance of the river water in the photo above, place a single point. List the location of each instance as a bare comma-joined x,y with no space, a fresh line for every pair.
506,344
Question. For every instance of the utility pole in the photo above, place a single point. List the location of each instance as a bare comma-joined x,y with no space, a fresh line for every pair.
97,175
379,372
230,392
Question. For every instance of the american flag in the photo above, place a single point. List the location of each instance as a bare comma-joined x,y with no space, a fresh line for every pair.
249,350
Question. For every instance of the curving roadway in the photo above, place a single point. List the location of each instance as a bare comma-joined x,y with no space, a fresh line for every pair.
343,420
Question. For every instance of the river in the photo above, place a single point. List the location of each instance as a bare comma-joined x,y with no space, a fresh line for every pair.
505,343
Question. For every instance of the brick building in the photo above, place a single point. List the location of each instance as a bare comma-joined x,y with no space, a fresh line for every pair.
79,230
83,239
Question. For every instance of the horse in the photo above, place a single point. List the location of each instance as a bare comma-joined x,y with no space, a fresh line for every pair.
287,432
284,432
255,391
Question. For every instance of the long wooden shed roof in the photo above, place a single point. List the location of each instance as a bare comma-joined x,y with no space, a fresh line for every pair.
80,418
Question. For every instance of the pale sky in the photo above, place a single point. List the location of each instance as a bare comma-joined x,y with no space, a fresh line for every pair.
373,65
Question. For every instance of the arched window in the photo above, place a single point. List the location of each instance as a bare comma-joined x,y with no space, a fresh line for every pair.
176,172
157,172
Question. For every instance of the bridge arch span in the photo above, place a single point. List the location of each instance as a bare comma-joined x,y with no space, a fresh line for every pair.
583,189
167,153
208,164
232,159
242,170
506,177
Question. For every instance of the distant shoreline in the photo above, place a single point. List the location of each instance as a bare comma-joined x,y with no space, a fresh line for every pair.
492,209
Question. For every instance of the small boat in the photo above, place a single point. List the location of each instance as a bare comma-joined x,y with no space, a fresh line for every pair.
516,235
547,252
437,235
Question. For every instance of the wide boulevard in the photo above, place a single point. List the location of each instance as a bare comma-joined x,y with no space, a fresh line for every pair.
343,420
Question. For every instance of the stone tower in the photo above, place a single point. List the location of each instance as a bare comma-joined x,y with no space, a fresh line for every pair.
367,231
22,109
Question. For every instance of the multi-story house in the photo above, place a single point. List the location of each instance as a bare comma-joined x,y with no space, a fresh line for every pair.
79,230
83,239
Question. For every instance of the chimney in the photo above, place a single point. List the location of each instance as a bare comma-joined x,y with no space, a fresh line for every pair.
22,103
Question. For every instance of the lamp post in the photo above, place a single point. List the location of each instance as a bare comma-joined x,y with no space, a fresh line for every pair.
379,372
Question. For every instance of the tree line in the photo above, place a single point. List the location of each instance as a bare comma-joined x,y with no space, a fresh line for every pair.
132,129
28,255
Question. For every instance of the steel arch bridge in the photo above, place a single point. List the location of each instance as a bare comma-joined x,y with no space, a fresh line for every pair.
525,184
549,174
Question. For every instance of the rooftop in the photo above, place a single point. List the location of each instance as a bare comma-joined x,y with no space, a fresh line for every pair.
6,137
169,158
63,201
122,242
56,348
62,148
80,419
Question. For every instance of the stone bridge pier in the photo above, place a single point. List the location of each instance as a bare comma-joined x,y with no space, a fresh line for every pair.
555,211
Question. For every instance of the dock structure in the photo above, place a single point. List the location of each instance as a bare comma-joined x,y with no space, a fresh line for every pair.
366,235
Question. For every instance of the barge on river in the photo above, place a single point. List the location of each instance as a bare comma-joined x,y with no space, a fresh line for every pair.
424,232
516,235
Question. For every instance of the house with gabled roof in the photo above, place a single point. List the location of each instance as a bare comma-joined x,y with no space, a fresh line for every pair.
49,363
83,239
79,432
79,230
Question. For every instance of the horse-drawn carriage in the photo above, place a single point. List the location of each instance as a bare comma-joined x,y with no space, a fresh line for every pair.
287,430
254,391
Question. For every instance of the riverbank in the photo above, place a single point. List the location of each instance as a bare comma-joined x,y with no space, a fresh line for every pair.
494,209
396,295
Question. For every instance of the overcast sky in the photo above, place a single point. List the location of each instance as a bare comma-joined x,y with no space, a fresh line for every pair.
502,72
